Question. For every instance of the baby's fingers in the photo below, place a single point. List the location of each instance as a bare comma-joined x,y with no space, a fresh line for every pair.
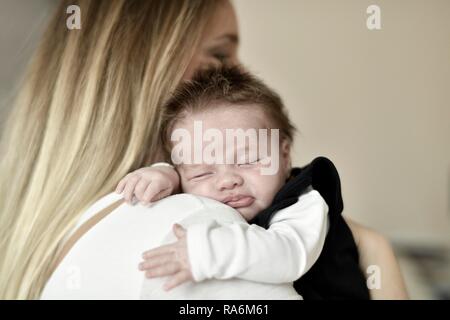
165,249
177,279
121,185
156,262
129,188
154,192
164,270
141,187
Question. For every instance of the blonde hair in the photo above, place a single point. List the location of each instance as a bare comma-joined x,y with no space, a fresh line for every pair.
88,113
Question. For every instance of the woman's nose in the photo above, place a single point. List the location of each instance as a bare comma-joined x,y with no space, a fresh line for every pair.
229,181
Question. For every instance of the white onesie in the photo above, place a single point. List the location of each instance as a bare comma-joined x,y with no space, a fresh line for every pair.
282,253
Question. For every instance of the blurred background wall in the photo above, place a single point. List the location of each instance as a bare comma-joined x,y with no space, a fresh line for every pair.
376,102
21,24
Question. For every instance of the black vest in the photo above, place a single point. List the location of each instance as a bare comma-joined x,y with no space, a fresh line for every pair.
336,274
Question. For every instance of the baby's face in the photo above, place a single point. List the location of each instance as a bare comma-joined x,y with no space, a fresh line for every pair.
240,184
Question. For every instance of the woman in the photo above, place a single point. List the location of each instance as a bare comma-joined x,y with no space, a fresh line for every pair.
88,114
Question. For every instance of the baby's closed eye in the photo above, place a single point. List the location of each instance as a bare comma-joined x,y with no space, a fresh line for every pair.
201,175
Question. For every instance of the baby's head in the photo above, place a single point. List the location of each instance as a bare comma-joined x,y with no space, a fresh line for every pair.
229,137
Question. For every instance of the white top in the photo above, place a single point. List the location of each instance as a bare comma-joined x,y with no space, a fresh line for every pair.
281,254
103,264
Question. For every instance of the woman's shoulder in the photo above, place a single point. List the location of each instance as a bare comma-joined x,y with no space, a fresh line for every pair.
183,201
97,206
118,238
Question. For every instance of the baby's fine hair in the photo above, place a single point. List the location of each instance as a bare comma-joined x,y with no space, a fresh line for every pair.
215,87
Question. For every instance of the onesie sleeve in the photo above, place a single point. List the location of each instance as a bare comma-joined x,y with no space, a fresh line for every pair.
282,253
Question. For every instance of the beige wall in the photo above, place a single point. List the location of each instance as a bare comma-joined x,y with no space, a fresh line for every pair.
376,102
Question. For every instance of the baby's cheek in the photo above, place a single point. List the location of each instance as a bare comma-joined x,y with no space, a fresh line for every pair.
267,189
200,189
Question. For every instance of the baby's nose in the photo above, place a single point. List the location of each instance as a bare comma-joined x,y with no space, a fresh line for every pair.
229,181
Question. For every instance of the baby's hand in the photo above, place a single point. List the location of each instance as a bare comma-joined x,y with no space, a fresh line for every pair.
169,260
149,184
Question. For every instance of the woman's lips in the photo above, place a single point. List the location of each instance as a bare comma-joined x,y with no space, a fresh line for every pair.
241,202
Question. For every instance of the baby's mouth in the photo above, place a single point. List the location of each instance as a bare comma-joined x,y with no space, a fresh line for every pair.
239,201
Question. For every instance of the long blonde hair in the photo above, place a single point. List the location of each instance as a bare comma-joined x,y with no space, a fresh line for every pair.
87,114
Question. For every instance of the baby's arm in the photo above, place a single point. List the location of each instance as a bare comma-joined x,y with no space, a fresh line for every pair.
282,253
150,183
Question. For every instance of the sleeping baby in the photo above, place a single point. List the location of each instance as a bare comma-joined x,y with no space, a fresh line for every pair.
226,136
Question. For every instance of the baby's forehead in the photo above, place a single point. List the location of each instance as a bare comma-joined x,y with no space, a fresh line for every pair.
220,115
229,130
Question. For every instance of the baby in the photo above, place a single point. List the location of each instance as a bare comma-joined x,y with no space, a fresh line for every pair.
200,125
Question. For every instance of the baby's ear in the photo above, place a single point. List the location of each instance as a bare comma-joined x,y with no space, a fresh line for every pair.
285,155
